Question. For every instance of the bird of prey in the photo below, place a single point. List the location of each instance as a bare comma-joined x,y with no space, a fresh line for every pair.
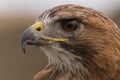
80,43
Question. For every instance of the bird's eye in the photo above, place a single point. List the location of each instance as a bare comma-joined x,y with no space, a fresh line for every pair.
70,25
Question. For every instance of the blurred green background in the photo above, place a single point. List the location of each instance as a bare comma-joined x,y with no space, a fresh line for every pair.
16,16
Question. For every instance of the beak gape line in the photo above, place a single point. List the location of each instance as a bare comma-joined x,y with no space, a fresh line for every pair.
34,34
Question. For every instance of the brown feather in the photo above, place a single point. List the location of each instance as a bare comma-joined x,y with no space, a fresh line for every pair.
98,45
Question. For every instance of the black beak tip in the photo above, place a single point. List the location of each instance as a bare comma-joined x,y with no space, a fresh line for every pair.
24,50
23,47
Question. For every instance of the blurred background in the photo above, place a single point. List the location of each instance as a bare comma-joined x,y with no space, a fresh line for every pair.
16,16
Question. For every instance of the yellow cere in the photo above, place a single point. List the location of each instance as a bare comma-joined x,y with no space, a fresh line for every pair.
38,26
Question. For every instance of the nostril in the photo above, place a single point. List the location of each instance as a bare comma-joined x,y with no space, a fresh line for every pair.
38,29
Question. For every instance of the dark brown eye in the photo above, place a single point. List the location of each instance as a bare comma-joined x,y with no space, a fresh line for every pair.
70,25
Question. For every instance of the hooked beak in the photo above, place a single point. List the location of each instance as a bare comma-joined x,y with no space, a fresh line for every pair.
33,36
29,37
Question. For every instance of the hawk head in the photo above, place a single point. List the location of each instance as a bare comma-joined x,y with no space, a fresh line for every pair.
79,42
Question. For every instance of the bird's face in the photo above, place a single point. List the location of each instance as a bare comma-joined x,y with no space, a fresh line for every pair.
50,30
69,29
77,41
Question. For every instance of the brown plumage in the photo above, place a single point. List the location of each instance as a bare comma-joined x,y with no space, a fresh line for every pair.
92,51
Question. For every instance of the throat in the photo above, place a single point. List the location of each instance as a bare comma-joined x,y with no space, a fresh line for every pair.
64,62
